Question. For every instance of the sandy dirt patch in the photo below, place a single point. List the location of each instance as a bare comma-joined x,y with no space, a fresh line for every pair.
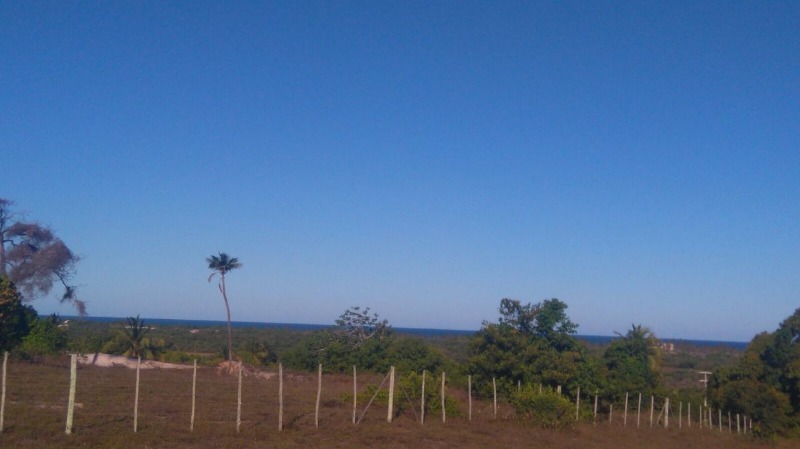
109,360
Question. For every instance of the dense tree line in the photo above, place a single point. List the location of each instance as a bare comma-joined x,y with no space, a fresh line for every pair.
364,340
532,348
765,384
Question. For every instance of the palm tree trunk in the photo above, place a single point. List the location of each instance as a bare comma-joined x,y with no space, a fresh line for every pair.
228,309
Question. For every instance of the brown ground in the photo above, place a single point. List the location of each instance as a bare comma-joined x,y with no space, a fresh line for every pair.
37,397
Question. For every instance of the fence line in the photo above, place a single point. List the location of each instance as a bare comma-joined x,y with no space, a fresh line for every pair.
159,395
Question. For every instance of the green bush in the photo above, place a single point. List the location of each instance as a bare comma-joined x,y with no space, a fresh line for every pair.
376,355
410,386
44,338
15,318
408,389
548,409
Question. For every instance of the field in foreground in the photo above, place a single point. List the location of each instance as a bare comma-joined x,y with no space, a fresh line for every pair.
37,397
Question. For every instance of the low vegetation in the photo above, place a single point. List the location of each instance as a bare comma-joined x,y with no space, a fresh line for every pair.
530,356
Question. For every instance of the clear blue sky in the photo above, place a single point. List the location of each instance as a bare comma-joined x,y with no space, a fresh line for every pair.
638,160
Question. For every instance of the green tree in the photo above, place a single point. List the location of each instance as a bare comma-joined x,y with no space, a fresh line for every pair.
44,338
14,317
633,363
547,319
133,332
530,344
221,265
765,383
131,340
362,339
35,259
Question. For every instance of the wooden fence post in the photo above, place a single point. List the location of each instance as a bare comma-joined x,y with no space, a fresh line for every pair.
280,397
610,412
494,390
625,415
73,380
730,428
680,415
239,401
577,404
652,408
594,422
701,417
3,394
469,395
390,408
719,412
639,411
319,396
444,411
136,397
666,414
422,400
194,391
355,394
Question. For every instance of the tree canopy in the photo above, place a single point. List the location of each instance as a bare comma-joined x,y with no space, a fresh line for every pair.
633,363
355,326
14,316
547,319
222,264
132,340
363,339
35,259
530,343
765,384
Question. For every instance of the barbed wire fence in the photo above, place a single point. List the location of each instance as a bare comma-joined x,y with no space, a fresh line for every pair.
84,398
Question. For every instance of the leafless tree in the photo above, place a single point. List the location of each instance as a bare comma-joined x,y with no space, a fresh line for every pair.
357,326
35,259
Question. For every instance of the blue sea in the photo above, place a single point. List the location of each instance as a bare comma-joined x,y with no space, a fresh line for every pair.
595,339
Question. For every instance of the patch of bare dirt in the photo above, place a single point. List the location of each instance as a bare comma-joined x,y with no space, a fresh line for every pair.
109,360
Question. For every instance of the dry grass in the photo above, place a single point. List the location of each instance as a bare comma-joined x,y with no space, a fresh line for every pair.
37,397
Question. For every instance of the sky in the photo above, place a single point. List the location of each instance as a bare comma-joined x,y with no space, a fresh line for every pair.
638,160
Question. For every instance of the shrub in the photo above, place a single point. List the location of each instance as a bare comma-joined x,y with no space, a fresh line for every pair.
548,409
410,386
44,338
15,318
408,389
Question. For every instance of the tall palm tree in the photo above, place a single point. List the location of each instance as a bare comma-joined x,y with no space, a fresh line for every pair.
222,264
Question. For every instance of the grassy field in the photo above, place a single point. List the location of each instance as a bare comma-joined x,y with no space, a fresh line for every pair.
37,396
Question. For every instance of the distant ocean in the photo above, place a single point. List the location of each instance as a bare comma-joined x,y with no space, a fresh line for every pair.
595,339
